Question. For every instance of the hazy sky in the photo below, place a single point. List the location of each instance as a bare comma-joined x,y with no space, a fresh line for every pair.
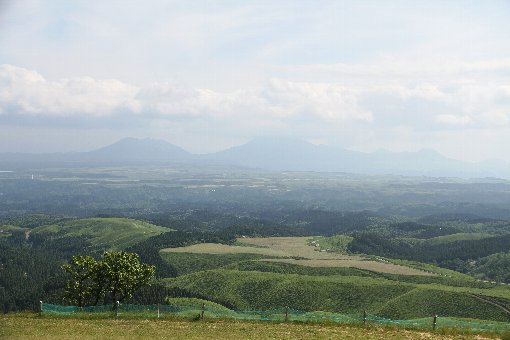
205,75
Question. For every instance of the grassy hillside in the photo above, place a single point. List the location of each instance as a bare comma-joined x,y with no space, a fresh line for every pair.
287,268
306,279
422,302
103,233
185,263
344,294
257,290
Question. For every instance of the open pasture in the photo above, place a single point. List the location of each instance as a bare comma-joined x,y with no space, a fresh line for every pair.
296,250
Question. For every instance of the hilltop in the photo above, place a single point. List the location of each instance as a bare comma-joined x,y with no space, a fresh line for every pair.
102,233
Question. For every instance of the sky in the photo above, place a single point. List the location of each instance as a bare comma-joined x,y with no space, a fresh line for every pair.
206,75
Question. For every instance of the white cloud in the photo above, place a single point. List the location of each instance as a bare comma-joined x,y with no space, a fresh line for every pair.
495,118
328,110
328,102
454,120
26,92
447,103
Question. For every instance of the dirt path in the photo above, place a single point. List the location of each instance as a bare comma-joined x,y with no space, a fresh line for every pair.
506,310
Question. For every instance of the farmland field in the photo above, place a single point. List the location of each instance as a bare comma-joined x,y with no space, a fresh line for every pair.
296,250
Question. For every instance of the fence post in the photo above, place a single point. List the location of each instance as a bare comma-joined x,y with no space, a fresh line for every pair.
364,317
434,323
286,313
40,307
203,310
117,304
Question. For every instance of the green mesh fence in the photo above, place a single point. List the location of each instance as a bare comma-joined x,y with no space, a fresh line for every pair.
196,310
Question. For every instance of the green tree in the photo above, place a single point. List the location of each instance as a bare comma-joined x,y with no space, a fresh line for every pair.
117,274
82,286
121,274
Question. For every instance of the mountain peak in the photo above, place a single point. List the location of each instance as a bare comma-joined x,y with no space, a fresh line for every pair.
139,150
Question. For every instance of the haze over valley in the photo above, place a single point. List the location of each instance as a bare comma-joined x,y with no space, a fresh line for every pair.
268,153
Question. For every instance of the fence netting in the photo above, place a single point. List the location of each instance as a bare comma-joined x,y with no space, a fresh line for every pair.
198,310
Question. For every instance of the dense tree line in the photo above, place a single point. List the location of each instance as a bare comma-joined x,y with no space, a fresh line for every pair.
495,267
451,254
28,274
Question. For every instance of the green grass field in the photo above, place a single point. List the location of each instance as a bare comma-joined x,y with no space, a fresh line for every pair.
186,263
343,294
28,326
105,233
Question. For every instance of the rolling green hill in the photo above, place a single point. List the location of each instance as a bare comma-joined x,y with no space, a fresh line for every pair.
8,230
257,290
422,302
103,233
344,294
249,281
186,263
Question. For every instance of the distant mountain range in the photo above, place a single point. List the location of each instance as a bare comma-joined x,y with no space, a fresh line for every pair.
273,154
138,150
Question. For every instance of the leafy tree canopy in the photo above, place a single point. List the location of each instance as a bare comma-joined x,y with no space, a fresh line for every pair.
116,276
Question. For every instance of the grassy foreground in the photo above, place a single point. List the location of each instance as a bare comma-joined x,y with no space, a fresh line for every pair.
29,326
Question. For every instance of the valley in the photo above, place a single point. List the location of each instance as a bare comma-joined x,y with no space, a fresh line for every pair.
399,248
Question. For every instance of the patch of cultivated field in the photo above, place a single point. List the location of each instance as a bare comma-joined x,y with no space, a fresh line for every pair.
374,266
290,248
216,248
